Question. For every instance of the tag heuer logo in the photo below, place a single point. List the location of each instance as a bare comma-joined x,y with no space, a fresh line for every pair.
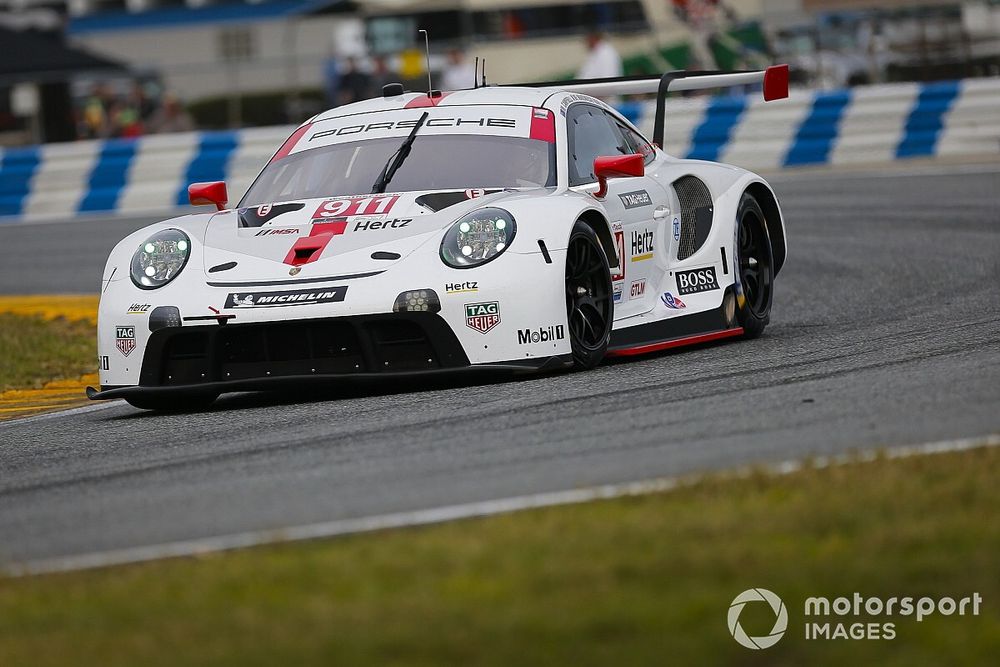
482,316
125,340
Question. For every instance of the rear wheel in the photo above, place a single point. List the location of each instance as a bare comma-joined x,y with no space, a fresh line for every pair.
185,403
589,306
755,267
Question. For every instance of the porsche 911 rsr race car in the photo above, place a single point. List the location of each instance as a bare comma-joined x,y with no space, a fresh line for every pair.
506,228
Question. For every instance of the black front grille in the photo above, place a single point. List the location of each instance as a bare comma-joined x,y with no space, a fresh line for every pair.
343,346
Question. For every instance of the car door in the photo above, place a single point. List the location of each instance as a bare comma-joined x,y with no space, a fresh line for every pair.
635,207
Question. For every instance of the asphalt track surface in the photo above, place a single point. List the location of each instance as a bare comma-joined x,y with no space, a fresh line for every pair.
885,331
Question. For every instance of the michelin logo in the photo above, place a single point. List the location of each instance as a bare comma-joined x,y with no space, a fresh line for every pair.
291,298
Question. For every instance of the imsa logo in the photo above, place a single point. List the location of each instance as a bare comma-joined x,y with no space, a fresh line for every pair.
482,316
540,335
125,340
697,280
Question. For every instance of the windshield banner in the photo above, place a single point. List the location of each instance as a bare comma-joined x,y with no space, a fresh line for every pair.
502,121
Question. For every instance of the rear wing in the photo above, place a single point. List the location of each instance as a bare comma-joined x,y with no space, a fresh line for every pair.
774,80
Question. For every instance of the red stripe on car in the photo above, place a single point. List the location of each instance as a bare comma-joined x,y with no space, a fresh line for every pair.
289,144
425,101
677,342
309,248
543,125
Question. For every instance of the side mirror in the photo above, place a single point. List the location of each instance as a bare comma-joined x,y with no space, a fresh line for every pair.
200,194
616,166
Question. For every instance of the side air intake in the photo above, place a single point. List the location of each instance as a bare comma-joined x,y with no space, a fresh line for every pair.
696,214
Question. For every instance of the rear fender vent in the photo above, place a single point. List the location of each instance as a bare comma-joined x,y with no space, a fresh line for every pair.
696,214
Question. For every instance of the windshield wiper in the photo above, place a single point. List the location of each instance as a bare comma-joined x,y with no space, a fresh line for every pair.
396,160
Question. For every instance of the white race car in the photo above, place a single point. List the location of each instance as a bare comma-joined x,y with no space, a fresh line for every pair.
504,228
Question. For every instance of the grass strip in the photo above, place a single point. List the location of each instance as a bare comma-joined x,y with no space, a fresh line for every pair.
643,580
37,351
48,352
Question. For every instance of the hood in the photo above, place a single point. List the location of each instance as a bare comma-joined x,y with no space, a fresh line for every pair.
331,236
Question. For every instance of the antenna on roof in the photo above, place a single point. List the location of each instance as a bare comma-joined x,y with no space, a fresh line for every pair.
427,52
484,71
475,75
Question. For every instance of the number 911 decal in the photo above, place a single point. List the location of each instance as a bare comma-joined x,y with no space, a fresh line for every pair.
343,208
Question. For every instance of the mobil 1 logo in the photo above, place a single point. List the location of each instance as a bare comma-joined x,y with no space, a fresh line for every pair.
541,334
697,280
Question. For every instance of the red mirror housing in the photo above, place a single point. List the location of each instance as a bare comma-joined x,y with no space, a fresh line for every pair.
200,194
615,166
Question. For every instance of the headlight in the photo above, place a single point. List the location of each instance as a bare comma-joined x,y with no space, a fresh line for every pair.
477,238
160,258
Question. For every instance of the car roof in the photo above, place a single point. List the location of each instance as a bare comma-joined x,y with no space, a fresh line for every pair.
492,95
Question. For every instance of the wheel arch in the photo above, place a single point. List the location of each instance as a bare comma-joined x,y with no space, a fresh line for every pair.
772,219
600,225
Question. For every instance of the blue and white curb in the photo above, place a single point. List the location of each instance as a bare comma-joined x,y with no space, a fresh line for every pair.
871,125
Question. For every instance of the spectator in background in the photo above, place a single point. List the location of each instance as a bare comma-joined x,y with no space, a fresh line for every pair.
355,85
125,120
331,80
381,74
96,123
171,116
602,58
459,73
142,101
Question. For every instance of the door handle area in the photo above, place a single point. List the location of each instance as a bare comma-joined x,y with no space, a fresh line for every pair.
661,212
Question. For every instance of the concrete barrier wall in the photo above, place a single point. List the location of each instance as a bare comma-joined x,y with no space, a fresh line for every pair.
871,125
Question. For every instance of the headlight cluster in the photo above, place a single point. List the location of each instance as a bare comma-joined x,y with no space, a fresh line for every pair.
160,258
477,238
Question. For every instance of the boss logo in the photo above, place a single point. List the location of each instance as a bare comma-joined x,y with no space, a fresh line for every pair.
697,280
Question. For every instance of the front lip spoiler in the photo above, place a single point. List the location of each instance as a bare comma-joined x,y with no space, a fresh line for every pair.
544,364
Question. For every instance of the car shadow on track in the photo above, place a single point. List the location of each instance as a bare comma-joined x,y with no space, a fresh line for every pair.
352,388
340,390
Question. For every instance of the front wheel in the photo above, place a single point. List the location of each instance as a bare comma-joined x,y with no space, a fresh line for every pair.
589,305
755,268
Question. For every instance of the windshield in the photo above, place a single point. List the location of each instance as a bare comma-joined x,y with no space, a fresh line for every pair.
437,162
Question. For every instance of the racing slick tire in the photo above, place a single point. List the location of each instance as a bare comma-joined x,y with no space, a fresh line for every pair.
187,403
755,268
589,304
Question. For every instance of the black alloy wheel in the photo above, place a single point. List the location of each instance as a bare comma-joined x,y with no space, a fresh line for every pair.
589,304
755,266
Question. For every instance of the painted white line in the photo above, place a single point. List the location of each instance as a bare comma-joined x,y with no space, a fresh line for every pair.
97,405
464,511
145,217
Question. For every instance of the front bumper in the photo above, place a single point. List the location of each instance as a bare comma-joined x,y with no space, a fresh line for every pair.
298,353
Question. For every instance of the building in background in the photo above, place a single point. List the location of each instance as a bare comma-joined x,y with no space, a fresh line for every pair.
236,63
37,74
